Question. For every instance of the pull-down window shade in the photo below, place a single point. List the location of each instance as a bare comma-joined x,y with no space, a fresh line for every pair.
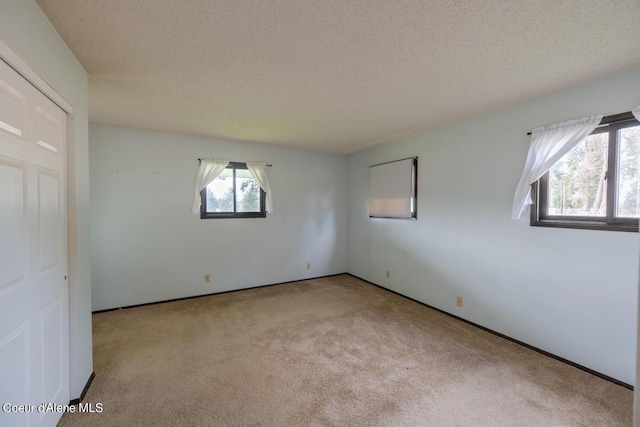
392,189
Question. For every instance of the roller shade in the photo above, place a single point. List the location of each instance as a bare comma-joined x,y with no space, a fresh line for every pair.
392,189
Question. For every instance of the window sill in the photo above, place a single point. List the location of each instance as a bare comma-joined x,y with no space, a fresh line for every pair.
231,215
586,225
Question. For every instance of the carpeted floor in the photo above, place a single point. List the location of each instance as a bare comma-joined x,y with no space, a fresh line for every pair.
328,352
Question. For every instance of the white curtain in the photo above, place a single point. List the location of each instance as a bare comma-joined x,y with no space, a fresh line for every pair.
636,113
258,171
548,145
208,171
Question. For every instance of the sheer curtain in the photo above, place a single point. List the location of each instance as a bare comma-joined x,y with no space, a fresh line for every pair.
258,171
208,171
548,145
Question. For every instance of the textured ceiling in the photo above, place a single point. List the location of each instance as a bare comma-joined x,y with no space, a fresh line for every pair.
334,75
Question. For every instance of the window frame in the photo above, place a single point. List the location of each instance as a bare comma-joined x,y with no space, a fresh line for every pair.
539,189
227,215
414,190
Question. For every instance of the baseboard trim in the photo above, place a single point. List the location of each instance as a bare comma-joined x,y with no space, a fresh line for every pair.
215,293
546,353
84,390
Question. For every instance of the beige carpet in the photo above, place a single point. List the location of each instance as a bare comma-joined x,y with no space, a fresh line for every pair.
328,352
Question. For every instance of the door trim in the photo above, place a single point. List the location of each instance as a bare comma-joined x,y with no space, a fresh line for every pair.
15,62
21,67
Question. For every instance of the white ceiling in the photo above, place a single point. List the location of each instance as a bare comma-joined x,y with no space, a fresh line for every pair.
334,75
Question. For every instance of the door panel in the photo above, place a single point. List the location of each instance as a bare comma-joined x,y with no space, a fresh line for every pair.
34,319
49,219
13,109
13,263
14,369
52,363
49,135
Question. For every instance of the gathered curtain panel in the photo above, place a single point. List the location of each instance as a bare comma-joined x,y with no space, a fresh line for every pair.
548,145
258,171
208,171
636,113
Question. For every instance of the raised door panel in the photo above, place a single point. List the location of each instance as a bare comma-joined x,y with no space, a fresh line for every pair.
13,245
14,373
49,135
52,354
13,108
49,218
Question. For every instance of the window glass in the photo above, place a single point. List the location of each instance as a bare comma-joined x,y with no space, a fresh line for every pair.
220,193
629,172
577,184
247,192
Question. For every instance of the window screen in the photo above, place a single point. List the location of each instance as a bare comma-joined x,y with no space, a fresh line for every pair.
392,189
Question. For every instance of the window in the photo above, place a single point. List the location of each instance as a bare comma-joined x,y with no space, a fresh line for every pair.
596,185
233,194
393,189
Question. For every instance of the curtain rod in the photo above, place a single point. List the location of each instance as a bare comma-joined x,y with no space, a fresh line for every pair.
233,162
607,120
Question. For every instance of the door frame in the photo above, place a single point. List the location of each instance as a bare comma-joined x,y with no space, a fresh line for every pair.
22,68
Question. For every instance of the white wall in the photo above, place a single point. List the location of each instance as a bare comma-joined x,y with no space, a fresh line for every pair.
147,245
570,292
636,400
28,33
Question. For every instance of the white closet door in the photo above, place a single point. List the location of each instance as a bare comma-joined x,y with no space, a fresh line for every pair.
34,325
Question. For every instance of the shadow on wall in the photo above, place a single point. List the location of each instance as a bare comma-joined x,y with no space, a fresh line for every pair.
478,280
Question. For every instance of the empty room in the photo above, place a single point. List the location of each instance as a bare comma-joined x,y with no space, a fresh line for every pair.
330,213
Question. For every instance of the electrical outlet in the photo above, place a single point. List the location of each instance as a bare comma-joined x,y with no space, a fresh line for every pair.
459,301
308,266
207,278
387,274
